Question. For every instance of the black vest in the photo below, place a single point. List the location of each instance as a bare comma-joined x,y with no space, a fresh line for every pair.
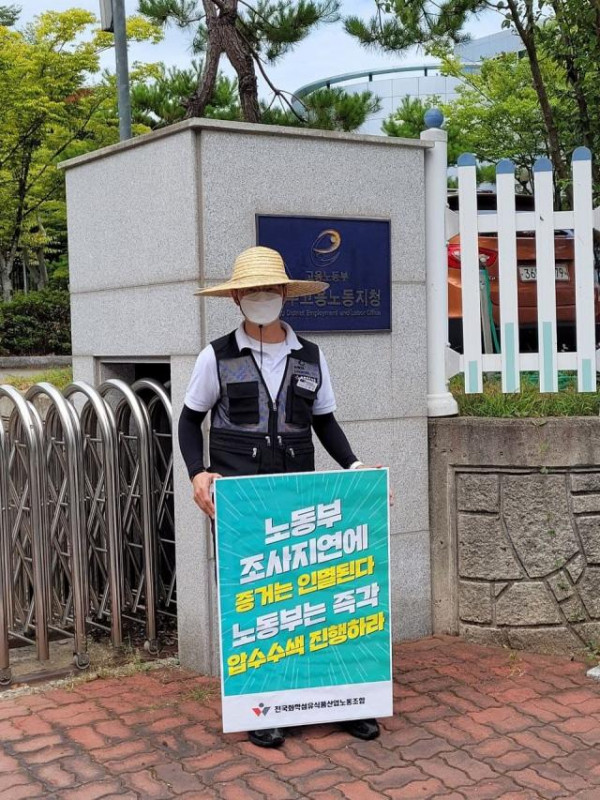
251,434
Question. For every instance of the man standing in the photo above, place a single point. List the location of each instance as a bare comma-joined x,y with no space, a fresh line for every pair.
266,389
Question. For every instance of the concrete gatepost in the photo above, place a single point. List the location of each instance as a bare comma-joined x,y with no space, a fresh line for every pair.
440,402
151,219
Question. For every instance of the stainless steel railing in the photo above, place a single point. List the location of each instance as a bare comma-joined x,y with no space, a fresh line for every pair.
86,514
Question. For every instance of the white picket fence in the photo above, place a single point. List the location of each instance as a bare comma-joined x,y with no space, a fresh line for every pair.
507,223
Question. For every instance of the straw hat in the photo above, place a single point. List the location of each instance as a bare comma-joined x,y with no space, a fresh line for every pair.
262,266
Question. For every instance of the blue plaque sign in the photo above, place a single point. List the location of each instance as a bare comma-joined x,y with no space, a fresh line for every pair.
351,255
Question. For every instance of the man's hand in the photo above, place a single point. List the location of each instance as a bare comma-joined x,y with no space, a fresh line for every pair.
376,466
201,484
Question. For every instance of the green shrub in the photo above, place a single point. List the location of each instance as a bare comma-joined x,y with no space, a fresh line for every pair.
529,402
36,324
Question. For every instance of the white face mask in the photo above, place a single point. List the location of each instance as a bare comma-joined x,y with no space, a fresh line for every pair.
262,308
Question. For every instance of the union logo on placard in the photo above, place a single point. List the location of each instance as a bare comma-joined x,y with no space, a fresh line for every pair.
262,710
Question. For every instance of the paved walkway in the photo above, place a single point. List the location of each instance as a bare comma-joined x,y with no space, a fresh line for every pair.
471,722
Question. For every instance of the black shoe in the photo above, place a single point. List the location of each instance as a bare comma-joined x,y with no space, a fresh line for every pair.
366,729
269,737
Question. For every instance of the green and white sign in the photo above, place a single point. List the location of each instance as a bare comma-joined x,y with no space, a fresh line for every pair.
304,598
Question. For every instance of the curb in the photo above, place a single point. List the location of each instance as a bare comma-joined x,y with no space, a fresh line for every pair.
34,362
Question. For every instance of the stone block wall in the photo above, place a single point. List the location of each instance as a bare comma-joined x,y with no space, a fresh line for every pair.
529,558
516,532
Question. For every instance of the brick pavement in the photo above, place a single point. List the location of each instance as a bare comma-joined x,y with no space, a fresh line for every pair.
471,722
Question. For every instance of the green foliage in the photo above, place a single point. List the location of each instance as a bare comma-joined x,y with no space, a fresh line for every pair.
400,24
556,111
530,402
271,29
337,110
325,109
60,377
407,122
250,35
38,323
496,113
486,173
274,28
59,273
51,111
182,13
160,98
9,15
570,39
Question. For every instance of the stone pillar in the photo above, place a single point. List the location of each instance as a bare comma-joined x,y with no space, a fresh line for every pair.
153,218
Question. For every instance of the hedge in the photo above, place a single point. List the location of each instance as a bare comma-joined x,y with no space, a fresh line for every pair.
36,324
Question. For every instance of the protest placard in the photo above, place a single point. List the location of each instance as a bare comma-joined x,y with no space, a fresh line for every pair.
304,598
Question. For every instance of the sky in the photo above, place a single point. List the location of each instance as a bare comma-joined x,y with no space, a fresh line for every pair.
327,52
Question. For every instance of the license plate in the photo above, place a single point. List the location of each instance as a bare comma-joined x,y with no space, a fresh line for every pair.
530,273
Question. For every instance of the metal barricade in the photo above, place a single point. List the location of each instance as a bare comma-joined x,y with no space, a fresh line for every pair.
62,472
160,415
5,562
101,502
86,514
26,576
136,505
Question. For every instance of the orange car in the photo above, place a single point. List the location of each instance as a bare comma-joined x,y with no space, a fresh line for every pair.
526,279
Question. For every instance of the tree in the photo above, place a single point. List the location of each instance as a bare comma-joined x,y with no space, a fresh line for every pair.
496,113
9,15
160,99
251,36
325,109
400,24
571,38
50,112
335,109
407,122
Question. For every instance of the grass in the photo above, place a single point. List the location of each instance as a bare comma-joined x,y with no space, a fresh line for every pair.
200,694
592,653
529,402
60,377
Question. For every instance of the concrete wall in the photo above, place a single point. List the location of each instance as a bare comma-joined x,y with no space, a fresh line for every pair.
151,219
515,517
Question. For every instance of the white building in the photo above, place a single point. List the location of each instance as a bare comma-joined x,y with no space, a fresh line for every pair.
417,79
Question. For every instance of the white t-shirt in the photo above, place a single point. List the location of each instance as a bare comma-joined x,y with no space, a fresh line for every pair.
204,390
